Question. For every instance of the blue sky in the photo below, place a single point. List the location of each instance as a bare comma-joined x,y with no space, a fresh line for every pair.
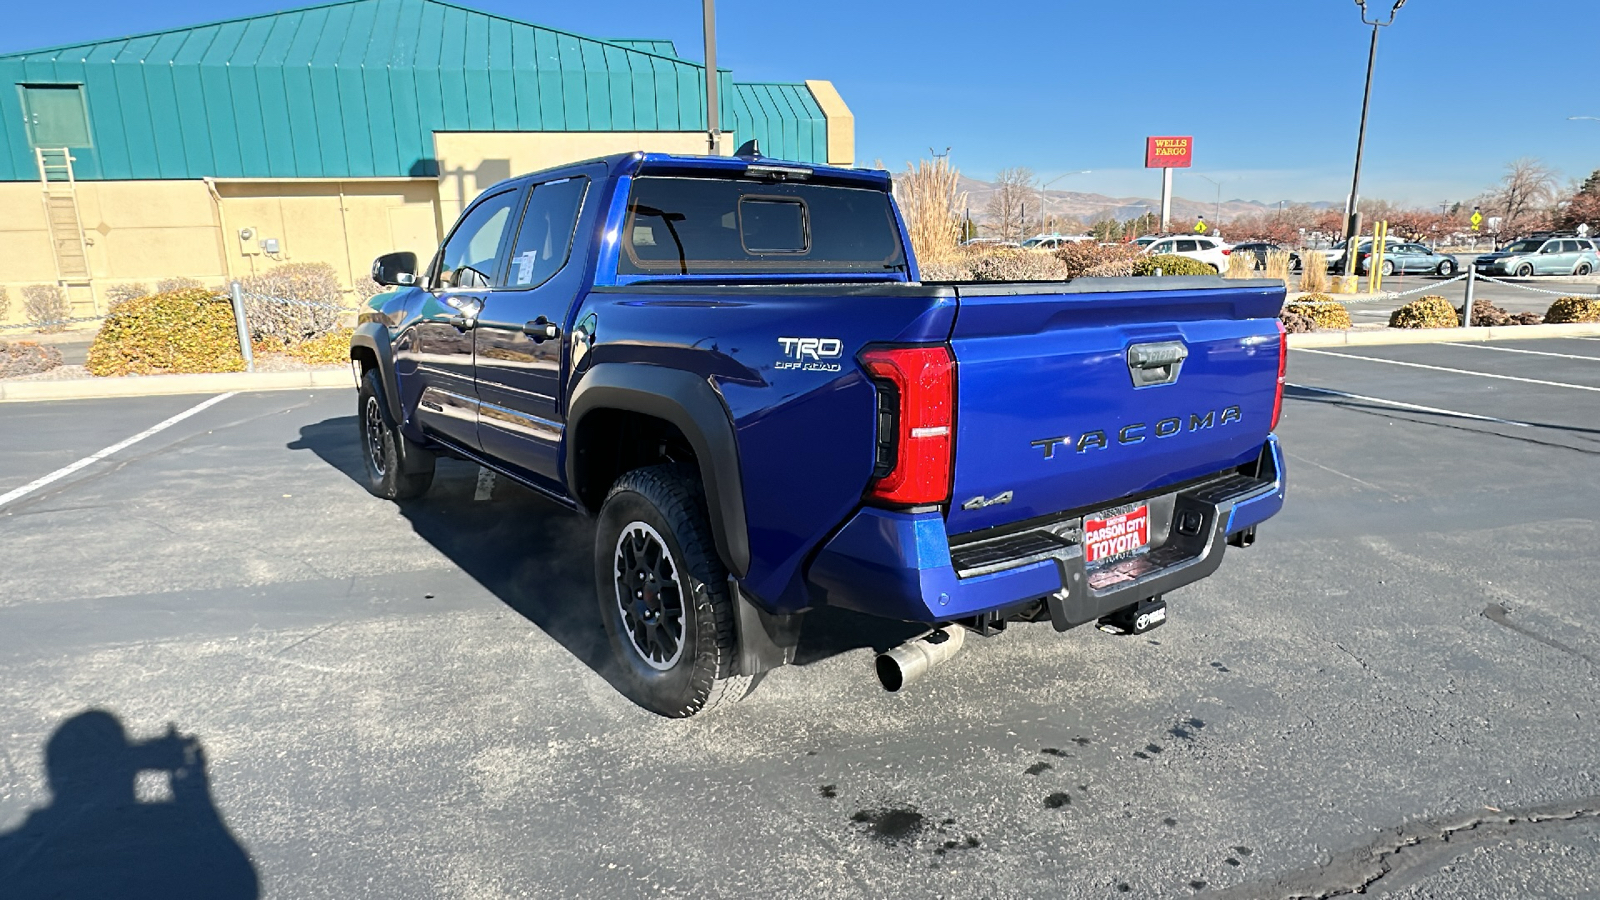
1271,89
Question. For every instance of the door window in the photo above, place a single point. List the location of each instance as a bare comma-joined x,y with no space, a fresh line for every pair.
1570,247
544,239
471,255
1188,246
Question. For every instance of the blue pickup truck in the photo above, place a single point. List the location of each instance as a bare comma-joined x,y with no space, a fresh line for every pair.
732,364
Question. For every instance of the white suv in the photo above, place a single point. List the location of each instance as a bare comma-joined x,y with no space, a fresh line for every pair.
1211,251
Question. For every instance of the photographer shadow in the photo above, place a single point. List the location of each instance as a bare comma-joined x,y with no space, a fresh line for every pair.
538,558
97,838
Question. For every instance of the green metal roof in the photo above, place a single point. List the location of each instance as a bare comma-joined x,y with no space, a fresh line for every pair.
648,45
357,88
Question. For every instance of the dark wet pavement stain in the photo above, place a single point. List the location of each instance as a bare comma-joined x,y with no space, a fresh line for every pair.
1053,751
890,825
1058,800
829,790
1038,767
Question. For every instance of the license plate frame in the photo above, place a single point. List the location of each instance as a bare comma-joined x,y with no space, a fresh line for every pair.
1116,535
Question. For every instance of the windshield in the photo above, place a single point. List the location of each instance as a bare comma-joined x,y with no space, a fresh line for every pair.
1034,242
717,226
1525,247
1145,241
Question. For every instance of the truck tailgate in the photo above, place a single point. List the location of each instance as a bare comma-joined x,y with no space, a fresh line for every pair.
1064,402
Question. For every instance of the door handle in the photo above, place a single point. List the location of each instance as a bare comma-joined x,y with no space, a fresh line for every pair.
541,330
1156,363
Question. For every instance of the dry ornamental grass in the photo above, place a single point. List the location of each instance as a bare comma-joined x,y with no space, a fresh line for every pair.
1314,273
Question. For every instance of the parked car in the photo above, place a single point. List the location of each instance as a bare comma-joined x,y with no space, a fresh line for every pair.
1262,248
1407,259
732,365
1212,251
988,242
1542,254
1053,242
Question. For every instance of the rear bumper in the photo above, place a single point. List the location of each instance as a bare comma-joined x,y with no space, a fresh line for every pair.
898,564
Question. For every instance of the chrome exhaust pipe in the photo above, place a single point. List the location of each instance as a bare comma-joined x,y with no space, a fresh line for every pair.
912,660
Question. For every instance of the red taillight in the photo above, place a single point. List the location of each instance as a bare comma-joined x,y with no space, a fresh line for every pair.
1283,369
1227,252
922,381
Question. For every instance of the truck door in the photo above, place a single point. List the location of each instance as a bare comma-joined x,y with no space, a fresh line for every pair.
522,331
440,341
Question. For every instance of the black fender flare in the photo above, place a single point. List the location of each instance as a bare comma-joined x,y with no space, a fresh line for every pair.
695,408
374,337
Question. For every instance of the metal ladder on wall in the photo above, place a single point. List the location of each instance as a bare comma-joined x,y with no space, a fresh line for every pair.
61,211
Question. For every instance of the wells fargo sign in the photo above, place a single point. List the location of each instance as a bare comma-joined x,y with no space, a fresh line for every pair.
1168,152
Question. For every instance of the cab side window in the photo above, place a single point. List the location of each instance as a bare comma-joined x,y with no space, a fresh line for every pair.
470,257
544,238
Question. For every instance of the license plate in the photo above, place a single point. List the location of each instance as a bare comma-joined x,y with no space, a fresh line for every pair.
1116,534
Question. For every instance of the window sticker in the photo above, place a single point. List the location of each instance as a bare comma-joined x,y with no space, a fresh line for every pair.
644,236
525,264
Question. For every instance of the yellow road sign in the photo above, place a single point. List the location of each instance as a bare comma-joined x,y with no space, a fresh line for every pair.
1477,219
1200,227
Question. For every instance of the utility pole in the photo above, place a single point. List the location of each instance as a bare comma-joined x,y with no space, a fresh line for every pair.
1353,228
712,135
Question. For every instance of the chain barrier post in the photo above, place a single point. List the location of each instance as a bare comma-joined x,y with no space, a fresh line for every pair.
236,294
1466,305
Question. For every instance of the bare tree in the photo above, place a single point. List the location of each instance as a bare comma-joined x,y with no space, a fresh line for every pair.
1013,188
1525,195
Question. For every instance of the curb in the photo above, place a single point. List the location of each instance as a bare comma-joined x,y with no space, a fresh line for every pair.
1442,335
157,385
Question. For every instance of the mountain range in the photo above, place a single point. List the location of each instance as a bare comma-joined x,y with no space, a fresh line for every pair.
1088,208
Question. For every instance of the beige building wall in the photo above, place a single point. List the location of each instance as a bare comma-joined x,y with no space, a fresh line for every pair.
144,231
470,161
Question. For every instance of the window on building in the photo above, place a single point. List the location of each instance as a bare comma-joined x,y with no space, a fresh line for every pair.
56,115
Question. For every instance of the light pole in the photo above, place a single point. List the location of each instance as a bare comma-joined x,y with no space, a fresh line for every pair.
709,11
1047,184
1352,234
1218,185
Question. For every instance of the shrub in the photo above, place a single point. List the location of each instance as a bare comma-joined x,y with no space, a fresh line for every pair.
1431,311
1118,268
5,304
121,293
1295,323
45,303
331,349
179,283
1322,310
179,331
1573,309
1172,265
1526,318
26,358
1081,258
1486,313
1314,272
1008,264
291,323
1241,265
1278,265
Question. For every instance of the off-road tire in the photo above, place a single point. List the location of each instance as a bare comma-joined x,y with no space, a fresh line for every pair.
670,500
387,474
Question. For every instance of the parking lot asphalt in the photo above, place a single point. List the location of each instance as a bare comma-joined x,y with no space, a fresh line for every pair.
1393,691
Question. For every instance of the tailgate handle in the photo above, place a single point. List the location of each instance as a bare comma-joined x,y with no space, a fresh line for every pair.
1158,363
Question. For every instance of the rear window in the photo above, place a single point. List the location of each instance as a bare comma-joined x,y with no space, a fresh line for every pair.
708,226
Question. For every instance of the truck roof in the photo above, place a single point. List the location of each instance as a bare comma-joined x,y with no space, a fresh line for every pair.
636,162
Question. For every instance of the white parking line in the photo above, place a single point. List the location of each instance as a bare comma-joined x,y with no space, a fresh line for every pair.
1396,403
64,471
1529,352
1412,365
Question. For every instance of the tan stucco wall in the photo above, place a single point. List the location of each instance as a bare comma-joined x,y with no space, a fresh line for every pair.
145,231
841,123
470,161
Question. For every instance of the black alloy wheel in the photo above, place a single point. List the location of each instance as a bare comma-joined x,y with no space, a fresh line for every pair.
389,474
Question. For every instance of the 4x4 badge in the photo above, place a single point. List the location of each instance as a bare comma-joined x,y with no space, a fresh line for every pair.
980,501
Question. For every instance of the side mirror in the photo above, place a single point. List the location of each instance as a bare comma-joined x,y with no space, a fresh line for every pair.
396,269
